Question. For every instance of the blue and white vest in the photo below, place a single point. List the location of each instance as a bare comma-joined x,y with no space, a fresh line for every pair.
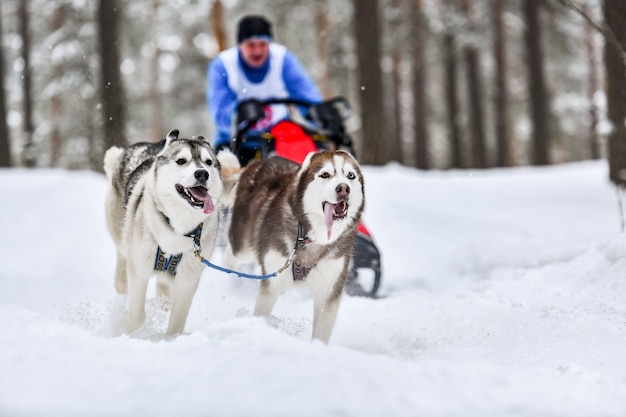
272,86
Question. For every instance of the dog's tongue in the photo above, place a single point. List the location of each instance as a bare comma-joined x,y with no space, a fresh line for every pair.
208,207
200,193
329,210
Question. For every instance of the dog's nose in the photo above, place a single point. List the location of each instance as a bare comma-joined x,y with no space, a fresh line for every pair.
343,189
201,175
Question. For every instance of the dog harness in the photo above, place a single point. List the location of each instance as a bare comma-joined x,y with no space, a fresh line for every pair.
164,263
300,272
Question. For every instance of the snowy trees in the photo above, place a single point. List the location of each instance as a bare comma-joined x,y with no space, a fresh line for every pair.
444,83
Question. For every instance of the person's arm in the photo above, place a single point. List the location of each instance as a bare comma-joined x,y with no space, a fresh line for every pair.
299,84
221,101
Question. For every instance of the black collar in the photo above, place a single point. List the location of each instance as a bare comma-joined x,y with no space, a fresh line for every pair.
196,233
301,240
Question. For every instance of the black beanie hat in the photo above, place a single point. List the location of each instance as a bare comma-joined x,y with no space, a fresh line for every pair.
251,26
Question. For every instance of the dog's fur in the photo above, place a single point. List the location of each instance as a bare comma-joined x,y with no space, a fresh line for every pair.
272,198
158,194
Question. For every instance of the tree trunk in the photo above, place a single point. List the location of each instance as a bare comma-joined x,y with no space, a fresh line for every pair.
28,152
536,85
420,112
501,93
452,100
113,106
217,19
322,22
475,98
56,103
375,150
394,105
5,140
592,88
155,99
615,18
395,130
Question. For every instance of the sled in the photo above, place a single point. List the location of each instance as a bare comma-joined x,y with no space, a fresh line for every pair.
321,129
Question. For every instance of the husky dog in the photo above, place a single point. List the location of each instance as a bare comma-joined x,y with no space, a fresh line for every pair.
311,211
160,208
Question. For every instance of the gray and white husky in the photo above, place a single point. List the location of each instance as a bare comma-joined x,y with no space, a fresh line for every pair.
161,206
312,211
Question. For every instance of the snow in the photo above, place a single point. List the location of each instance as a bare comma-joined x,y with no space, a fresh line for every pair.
504,294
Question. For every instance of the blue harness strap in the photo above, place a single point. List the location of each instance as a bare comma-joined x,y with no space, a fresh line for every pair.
298,271
239,274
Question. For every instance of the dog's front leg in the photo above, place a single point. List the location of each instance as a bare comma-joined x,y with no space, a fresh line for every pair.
137,288
229,258
121,282
327,290
324,316
266,298
182,291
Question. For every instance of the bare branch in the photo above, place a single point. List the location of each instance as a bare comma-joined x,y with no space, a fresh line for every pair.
608,34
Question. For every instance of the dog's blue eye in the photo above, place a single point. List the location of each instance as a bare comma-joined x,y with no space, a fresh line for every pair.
351,176
181,161
325,175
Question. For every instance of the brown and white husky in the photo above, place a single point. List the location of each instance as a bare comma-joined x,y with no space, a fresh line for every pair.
310,212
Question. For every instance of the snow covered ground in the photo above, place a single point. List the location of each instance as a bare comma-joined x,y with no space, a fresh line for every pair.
504,294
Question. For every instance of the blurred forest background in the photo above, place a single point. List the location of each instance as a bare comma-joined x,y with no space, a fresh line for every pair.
434,84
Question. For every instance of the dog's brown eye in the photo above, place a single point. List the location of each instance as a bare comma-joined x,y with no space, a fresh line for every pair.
181,161
351,175
209,162
325,175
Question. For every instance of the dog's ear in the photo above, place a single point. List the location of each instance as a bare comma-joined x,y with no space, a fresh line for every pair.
173,135
307,160
204,139
206,142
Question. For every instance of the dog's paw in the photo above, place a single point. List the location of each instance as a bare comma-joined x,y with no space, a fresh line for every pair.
132,324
